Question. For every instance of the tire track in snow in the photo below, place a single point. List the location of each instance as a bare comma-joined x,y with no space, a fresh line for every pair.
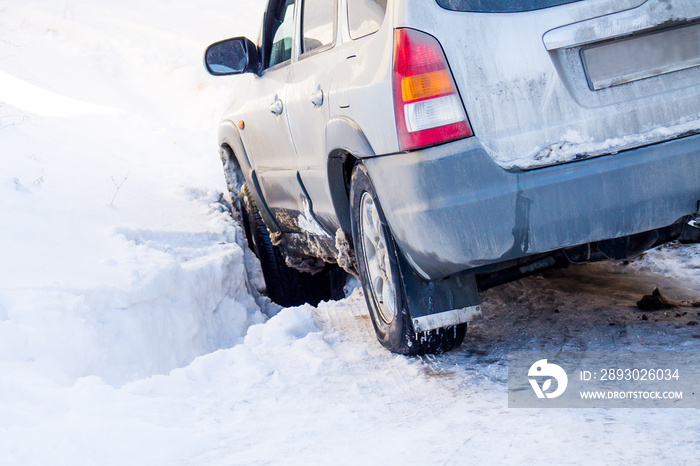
588,307
375,371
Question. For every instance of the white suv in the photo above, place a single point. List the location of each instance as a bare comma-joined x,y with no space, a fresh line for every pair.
436,148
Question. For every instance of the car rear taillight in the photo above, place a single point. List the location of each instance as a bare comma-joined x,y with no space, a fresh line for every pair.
427,106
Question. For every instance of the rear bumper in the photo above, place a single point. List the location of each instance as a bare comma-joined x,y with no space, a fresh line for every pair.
451,208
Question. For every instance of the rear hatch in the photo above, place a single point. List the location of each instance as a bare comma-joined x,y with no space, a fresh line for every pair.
552,81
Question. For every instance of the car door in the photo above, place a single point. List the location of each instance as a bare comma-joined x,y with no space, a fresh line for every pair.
307,96
267,126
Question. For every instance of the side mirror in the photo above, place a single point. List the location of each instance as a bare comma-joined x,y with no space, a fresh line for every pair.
231,56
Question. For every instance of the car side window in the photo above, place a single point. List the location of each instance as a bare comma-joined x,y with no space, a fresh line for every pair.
318,24
365,17
282,40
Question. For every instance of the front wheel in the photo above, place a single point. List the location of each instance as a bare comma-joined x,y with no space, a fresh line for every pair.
285,286
384,289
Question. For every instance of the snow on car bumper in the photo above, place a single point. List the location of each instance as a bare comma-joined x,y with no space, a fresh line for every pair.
451,208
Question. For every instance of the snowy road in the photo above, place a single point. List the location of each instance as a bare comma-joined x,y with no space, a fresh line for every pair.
128,334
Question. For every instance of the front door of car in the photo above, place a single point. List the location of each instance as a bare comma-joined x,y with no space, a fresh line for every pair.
307,97
267,128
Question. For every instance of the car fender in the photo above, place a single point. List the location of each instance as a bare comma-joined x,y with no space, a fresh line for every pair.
230,136
344,138
344,134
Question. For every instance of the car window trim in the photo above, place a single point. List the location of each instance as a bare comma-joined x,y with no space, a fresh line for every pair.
277,66
266,26
347,14
321,49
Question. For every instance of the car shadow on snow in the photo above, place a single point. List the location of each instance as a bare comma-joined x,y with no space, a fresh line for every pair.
589,307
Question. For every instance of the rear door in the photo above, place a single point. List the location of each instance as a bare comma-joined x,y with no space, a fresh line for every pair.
308,106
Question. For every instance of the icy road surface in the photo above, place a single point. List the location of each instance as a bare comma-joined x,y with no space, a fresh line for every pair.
128,333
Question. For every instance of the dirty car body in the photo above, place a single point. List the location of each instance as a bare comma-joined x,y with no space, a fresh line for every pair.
493,139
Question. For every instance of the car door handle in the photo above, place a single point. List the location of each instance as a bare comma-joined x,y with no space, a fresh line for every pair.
317,98
276,107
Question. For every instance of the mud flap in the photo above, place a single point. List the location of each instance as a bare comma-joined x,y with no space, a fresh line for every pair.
441,303
691,233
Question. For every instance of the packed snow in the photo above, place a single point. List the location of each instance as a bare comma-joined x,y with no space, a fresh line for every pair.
131,333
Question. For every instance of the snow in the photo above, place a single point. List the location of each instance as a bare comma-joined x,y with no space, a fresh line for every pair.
130,332
575,147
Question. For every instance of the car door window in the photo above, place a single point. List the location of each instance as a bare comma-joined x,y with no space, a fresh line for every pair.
282,39
318,24
365,16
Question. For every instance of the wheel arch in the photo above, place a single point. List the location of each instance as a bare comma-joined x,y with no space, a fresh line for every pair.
232,150
230,138
346,144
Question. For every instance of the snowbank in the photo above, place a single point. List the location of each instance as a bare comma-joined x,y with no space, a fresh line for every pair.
120,260
128,331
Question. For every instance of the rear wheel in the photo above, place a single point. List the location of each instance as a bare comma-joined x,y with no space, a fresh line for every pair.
380,275
285,286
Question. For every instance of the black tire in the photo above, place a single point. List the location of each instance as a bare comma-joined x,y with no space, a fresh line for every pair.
285,286
395,333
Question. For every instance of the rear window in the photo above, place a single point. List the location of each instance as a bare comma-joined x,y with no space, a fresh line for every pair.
500,6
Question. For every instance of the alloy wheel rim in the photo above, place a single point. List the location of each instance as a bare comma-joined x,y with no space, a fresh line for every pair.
376,254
